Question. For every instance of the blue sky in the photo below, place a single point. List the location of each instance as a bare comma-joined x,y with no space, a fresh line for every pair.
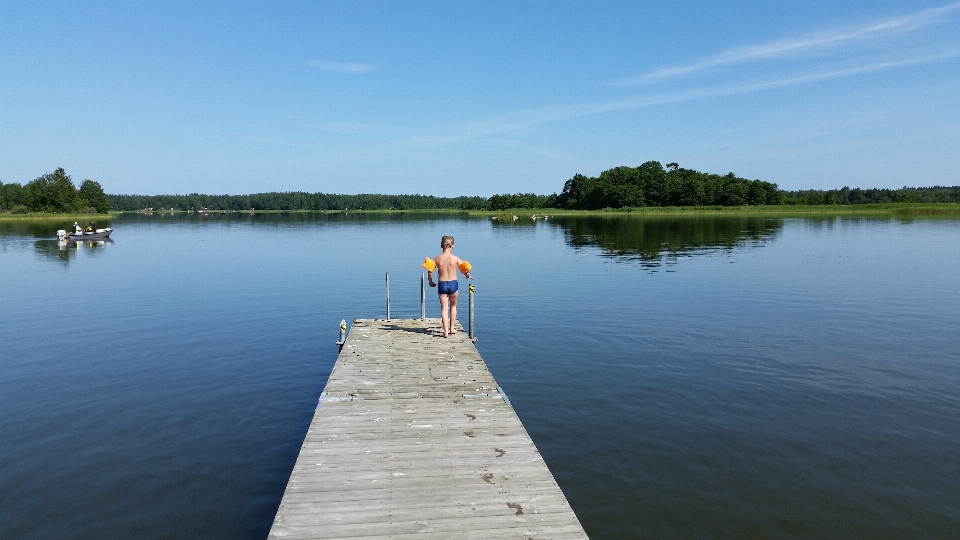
476,98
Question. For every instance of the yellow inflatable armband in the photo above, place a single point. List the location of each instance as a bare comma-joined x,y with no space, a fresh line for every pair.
464,267
429,264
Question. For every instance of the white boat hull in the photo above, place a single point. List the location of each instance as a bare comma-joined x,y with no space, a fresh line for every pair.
99,234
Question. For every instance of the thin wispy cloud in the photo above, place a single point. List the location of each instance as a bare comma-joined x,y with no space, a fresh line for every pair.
277,141
357,127
342,67
797,46
528,118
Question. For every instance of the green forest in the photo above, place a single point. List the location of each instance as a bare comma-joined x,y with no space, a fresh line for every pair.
649,185
294,201
54,193
652,185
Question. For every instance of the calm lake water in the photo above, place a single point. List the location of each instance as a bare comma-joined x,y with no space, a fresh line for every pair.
683,378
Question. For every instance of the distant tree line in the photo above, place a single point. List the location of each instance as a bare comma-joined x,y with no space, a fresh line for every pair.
521,200
845,195
295,200
650,184
55,193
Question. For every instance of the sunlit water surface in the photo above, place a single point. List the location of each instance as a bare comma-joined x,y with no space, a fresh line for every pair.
683,378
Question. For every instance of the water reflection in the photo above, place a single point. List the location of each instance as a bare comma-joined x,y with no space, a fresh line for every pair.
42,228
62,250
653,240
292,218
515,221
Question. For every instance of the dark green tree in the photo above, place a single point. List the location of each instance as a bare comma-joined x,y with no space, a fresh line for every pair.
11,195
94,197
53,192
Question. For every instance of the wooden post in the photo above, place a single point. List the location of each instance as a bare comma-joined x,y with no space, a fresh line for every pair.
471,328
343,333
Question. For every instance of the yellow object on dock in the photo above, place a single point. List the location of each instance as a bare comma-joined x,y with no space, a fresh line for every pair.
413,438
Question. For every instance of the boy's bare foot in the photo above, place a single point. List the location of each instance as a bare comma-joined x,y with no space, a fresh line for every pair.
453,331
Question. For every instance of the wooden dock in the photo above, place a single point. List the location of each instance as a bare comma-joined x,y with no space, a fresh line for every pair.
413,438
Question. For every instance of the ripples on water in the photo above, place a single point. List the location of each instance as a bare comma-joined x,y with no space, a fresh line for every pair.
683,378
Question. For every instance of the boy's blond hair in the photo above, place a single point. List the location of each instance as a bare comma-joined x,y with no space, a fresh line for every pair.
446,241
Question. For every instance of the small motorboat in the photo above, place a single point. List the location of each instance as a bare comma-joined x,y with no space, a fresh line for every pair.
98,234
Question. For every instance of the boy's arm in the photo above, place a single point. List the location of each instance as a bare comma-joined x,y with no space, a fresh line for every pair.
465,274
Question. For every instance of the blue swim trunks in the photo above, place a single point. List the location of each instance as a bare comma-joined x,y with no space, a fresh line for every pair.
447,287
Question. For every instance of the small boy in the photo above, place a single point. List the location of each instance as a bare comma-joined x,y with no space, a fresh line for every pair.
447,288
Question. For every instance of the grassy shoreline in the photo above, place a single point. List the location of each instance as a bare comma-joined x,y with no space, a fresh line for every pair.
44,216
888,209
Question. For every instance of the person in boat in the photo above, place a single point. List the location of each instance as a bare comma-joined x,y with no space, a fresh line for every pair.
91,228
76,228
446,266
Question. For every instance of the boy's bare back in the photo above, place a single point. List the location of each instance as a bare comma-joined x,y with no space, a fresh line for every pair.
446,266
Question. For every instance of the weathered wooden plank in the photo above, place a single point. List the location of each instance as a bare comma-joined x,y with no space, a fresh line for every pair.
393,496
536,526
389,490
396,450
424,532
479,480
458,476
350,512
386,523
